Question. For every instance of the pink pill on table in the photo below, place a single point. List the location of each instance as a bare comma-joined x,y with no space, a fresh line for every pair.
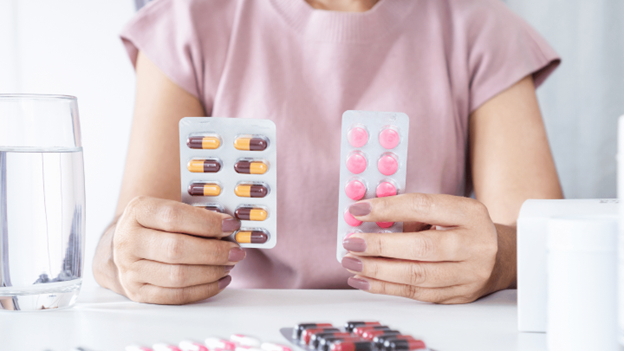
386,189
348,217
385,224
355,190
389,138
356,163
387,165
358,137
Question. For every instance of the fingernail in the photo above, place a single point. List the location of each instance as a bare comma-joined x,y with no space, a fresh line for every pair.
229,225
228,268
352,264
236,254
354,244
360,209
225,281
360,284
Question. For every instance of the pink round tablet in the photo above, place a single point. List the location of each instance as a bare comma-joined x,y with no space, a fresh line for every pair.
385,224
356,163
355,190
386,189
387,165
348,217
358,137
389,138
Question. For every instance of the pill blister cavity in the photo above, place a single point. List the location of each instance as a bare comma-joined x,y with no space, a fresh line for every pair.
251,166
389,137
388,164
352,221
386,188
355,189
251,213
357,136
356,162
204,141
385,225
251,190
251,236
204,189
251,143
212,207
200,165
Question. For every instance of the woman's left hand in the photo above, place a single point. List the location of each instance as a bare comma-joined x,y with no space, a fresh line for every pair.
449,252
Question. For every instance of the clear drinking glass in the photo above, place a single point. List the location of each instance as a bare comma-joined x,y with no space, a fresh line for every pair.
42,202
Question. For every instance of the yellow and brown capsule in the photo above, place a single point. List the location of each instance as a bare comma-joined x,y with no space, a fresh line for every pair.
204,189
250,167
203,142
251,190
251,213
204,165
255,236
250,143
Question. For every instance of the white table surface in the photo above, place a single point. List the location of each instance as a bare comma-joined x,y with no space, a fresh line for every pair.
102,320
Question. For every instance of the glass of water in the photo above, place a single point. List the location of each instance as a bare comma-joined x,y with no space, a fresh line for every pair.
42,202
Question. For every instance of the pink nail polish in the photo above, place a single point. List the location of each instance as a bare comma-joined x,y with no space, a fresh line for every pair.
224,282
359,284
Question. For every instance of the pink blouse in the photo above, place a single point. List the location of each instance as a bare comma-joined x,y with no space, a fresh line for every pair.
436,60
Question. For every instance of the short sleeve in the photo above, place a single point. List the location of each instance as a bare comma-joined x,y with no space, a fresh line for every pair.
503,49
165,32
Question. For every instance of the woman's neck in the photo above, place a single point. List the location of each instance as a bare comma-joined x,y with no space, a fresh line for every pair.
342,5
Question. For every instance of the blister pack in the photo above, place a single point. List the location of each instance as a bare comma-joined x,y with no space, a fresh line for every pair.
373,163
229,165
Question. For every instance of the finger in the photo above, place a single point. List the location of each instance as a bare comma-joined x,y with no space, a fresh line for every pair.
422,274
176,217
428,245
175,275
445,210
185,249
450,295
177,296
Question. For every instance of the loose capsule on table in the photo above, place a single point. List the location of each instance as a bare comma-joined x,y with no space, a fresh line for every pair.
247,213
251,236
359,330
204,189
370,334
161,346
307,334
203,142
316,338
250,167
299,328
204,166
188,345
351,346
251,190
269,346
404,345
352,324
218,343
250,143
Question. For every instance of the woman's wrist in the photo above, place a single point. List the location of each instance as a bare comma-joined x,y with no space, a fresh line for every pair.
504,273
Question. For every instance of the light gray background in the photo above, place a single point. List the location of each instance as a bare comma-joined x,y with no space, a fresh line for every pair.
72,47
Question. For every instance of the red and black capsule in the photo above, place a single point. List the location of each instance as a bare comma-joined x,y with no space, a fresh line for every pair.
307,334
326,343
404,345
316,338
359,330
352,324
209,165
352,346
299,328
381,339
370,334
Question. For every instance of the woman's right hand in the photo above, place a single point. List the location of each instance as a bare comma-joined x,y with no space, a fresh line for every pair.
167,252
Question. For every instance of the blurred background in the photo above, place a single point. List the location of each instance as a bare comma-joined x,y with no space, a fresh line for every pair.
72,47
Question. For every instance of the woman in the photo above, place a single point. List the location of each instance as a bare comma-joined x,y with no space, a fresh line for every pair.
464,71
